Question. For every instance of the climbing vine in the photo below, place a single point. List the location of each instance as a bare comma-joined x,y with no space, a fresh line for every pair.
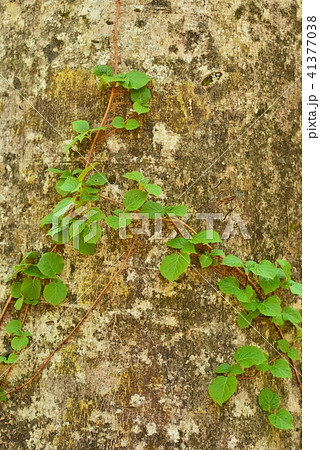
77,219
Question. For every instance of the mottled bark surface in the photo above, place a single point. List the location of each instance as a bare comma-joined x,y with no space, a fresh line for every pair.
136,375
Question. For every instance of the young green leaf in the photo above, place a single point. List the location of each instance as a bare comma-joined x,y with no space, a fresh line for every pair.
269,285
31,288
102,69
140,108
270,307
63,206
85,171
232,261
95,215
83,247
141,95
282,419
281,369
47,220
244,320
177,242
223,368
217,252
153,189
283,345
119,221
51,264
286,267
135,80
134,199
296,288
263,367
248,356
16,289
70,184
229,285
292,315
293,354
132,124
18,304
205,261
235,370
80,126
92,233
55,292
118,122
152,210
135,176
3,397
18,342
188,248
222,388
268,400
13,326
178,211
172,266
265,269
97,179
206,237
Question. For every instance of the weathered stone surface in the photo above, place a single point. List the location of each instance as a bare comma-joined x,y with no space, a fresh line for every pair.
136,374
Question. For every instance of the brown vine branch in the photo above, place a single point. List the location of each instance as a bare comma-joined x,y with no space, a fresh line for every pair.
43,365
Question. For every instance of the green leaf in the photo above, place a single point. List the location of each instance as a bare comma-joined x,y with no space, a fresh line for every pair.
281,369
244,320
85,171
135,80
134,199
47,220
248,356
232,261
119,221
51,264
76,228
83,247
205,261
222,388
152,210
296,288
286,267
140,108
283,345
102,69
91,234
13,326
80,125
11,358
118,122
97,179
278,320
282,419
53,170
223,368
18,342
3,398
177,242
268,400
70,184
235,370
94,215
55,292
188,248
135,176
141,95
292,315
270,307
132,124
269,285
16,289
18,304
293,354
31,288
172,266
206,237
229,285
153,189
263,367
178,211
265,269
63,206
217,252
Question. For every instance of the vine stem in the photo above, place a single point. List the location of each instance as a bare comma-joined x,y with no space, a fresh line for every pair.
113,86
292,361
97,300
9,299
109,199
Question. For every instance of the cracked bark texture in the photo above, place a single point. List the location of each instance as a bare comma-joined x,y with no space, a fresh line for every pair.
136,374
